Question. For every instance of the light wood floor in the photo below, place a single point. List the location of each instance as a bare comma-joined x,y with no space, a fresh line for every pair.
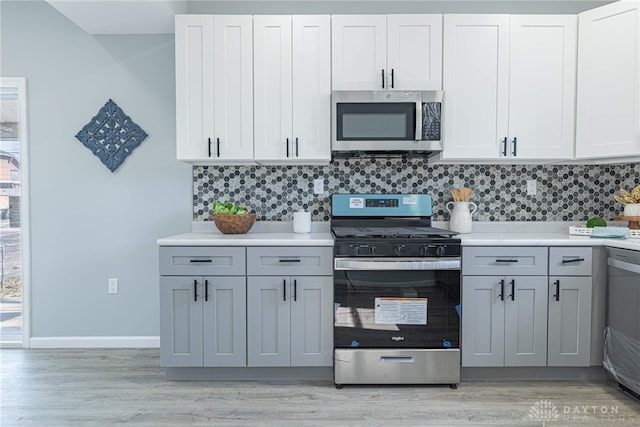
107,387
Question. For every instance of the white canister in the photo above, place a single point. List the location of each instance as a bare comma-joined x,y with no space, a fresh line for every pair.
460,220
302,222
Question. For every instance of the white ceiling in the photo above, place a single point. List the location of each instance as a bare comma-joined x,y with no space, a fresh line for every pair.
98,17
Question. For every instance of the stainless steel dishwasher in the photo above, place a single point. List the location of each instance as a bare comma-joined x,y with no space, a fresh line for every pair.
622,332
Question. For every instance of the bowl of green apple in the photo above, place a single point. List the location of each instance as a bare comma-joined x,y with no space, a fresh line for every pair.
232,219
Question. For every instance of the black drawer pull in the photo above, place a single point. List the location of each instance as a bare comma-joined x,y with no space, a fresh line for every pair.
199,260
566,261
284,290
295,290
206,290
506,260
557,294
501,290
513,290
289,260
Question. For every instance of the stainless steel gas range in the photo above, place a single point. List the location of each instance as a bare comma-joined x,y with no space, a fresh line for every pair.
396,292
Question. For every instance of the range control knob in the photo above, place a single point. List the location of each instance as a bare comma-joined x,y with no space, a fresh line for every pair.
398,250
363,249
441,250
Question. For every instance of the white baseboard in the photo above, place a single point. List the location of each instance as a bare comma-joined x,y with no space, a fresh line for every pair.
94,342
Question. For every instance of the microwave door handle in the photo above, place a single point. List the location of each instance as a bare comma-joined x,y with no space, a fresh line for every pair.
418,120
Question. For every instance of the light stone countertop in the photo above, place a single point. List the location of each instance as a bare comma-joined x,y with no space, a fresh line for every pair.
263,233
280,233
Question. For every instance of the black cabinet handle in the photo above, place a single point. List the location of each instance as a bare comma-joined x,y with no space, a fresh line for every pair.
195,290
501,290
284,288
504,147
297,147
506,260
383,78
209,147
557,295
295,290
288,260
199,260
287,145
392,78
513,290
206,290
566,261
218,146
515,147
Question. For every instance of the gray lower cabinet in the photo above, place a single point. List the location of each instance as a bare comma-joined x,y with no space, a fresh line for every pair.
289,306
504,321
288,320
537,312
202,321
504,306
570,301
202,306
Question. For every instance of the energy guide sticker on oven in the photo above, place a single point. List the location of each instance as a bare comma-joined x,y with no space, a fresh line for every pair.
401,311
356,203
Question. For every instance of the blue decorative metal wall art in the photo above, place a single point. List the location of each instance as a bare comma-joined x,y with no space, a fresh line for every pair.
111,135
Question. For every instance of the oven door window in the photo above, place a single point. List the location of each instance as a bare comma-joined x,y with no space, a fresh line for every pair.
396,309
376,121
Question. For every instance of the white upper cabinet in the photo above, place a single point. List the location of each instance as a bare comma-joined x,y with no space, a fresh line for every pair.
233,77
214,88
375,52
194,85
608,110
509,85
292,88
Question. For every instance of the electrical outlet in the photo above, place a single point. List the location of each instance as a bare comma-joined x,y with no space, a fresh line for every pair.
531,187
318,186
113,286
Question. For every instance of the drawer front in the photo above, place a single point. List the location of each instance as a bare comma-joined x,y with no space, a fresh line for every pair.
574,261
497,261
284,261
201,261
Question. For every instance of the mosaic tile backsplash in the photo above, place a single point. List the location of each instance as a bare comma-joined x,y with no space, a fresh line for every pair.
564,192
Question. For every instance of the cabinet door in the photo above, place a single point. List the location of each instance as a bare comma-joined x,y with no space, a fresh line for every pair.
475,81
233,76
194,85
569,321
414,52
224,321
312,321
525,321
268,321
358,52
483,320
608,110
311,88
272,87
542,77
181,321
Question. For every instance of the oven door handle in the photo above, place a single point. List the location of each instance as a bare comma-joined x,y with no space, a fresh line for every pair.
450,263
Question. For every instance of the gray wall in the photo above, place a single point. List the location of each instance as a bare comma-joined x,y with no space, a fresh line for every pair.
87,223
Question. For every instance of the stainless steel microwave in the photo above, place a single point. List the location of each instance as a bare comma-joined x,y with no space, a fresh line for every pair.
386,121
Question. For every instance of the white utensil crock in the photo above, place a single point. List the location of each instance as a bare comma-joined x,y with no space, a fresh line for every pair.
460,219
302,222
632,209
